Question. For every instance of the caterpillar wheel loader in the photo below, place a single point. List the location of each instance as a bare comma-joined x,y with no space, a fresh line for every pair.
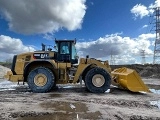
43,69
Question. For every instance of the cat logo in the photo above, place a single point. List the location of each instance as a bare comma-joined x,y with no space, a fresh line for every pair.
40,55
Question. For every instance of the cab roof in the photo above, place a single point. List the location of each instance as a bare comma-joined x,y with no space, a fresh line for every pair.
56,41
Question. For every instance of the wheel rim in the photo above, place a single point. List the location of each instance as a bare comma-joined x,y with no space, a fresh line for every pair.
40,79
98,80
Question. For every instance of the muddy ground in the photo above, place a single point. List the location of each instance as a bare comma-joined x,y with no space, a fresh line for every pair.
73,102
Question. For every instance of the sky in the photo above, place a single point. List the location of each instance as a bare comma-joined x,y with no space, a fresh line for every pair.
113,30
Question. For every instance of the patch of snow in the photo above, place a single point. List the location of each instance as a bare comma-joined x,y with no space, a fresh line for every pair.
68,86
72,106
155,91
7,85
107,91
155,103
143,92
6,89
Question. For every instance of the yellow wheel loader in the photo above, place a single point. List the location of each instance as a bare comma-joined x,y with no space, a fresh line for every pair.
43,69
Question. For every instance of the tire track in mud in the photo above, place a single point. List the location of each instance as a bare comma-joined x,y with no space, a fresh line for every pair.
120,103
115,109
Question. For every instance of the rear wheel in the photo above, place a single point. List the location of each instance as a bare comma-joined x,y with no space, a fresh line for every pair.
97,80
41,80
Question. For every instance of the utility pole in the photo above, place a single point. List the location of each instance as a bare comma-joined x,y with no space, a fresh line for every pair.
156,57
112,60
142,52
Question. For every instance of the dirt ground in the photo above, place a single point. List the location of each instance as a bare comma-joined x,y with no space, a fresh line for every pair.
71,102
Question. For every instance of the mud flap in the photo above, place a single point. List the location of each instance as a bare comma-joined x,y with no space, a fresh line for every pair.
128,79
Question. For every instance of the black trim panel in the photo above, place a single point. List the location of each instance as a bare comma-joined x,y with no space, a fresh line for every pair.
13,64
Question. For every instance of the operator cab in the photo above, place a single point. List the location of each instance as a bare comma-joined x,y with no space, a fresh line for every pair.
66,51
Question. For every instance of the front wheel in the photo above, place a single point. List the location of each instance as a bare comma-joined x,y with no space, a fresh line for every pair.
41,80
97,80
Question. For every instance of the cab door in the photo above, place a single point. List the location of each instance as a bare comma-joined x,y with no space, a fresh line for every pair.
64,51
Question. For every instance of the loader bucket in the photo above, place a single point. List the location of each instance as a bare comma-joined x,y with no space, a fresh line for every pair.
128,79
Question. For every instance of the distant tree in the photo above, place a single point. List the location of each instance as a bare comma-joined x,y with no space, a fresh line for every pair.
8,61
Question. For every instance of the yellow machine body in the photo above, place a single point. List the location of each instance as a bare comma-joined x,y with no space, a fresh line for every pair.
64,70
128,79
60,69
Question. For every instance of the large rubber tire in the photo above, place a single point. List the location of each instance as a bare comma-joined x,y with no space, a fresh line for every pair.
91,78
41,80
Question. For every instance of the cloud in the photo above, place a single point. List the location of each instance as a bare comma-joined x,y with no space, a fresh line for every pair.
124,59
48,36
118,46
140,11
10,46
145,26
43,16
124,49
156,4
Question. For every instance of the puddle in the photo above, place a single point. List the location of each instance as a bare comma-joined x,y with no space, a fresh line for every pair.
69,111
155,103
65,106
61,111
